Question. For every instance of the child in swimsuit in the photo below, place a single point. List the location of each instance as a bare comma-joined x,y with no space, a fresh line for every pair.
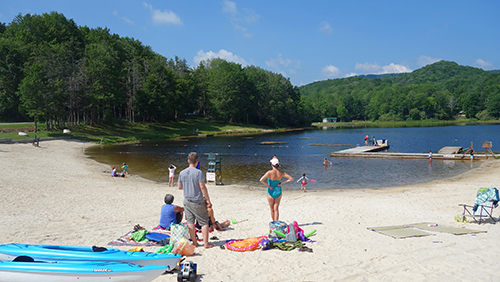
303,182
125,168
171,175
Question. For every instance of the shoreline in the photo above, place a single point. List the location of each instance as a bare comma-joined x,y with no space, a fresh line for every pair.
56,195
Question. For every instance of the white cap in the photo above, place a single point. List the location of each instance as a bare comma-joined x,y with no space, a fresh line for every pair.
274,161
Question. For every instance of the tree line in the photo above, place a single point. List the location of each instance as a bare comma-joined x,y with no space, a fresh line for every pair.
439,91
53,70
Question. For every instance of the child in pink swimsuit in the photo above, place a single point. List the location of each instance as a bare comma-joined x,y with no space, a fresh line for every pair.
303,182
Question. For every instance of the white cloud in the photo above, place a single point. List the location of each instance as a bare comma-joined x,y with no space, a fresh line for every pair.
250,16
229,7
483,64
330,71
127,20
378,69
163,17
423,60
368,68
239,20
283,65
351,74
393,68
325,27
223,54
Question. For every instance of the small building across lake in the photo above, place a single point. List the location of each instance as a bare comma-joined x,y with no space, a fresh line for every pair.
329,119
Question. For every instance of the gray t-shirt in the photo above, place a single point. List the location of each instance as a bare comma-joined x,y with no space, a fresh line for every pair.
190,179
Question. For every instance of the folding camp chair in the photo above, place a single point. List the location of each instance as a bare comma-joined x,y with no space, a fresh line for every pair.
481,213
486,200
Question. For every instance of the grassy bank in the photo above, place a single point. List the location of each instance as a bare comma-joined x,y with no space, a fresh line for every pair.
134,132
12,131
389,124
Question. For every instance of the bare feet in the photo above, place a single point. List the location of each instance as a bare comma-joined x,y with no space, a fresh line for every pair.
208,246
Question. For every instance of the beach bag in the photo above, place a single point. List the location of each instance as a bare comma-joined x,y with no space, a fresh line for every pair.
280,226
183,248
291,236
177,232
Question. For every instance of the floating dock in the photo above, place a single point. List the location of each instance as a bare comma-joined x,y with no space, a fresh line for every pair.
363,149
446,153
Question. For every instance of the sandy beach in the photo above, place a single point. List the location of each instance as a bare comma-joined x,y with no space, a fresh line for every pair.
54,194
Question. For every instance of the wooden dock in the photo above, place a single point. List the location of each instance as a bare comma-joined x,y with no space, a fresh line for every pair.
450,153
363,149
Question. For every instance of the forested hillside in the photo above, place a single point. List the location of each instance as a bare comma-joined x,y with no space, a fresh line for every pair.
55,71
438,91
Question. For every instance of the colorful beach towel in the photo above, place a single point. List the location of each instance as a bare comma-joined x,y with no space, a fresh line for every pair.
126,240
485,194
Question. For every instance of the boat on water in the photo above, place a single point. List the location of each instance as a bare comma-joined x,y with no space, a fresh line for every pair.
83,253
25,268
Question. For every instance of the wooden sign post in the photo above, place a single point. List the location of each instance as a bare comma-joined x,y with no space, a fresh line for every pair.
487,146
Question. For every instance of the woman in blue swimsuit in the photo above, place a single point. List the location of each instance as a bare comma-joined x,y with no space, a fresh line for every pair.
272,179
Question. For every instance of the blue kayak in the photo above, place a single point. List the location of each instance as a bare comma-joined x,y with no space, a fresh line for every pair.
81,253
28,269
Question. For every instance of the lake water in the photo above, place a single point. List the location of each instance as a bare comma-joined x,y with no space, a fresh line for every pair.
244,160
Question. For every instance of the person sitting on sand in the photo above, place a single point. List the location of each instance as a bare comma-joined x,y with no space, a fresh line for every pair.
220,226
170,214
114,173
212,223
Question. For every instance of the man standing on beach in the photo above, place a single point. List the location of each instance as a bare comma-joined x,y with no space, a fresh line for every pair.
196,199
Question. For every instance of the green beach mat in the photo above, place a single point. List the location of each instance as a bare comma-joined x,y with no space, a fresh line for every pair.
445,229
398,231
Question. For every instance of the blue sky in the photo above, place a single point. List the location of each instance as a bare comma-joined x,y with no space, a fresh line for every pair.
305,41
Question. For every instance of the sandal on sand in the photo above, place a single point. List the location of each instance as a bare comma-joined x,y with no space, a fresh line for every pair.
305,249
138,227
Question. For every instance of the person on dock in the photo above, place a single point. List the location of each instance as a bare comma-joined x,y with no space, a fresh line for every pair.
430,156
303,182
272,179
366,139
171,175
